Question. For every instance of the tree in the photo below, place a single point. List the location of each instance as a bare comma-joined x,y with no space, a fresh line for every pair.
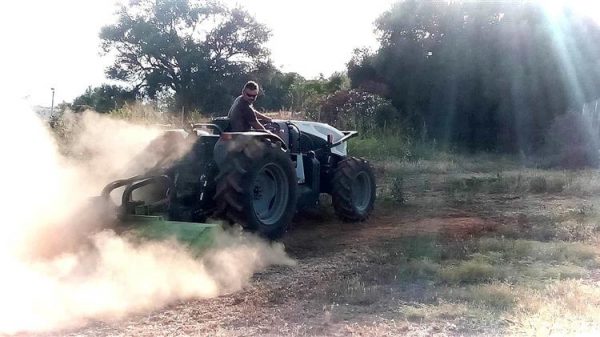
290,91
200,50
104,98
484,75
276,87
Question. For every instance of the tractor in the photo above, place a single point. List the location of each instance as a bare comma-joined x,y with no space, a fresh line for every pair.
256,179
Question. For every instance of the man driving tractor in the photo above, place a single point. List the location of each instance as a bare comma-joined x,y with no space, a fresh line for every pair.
242,115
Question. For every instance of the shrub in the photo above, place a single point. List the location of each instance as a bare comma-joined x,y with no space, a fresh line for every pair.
538,185
572,142
359,110
397,190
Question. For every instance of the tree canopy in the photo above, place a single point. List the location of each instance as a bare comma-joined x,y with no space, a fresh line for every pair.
481,75
487,75
104,98
198,50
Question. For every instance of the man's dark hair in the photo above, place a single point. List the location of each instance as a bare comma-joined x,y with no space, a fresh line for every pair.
251,85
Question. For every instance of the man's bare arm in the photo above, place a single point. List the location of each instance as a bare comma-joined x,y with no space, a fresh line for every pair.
262,117
257,126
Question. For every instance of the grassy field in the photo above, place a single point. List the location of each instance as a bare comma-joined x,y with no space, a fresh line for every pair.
481,245
531,267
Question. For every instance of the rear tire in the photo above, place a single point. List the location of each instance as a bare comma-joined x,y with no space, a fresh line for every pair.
257,188
353,189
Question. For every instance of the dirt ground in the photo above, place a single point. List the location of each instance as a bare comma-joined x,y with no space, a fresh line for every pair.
344,282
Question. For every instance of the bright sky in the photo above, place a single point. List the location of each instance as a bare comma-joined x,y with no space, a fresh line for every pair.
55,44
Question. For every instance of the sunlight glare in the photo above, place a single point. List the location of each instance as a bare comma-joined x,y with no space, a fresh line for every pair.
555,8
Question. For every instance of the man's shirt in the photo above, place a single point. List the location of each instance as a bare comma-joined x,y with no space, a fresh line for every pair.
241,115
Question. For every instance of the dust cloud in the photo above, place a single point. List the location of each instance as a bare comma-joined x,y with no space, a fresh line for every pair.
61,270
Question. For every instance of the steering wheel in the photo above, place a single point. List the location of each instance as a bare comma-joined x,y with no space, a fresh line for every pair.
272,126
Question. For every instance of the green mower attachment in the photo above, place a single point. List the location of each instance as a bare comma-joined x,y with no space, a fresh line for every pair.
149,220
196,236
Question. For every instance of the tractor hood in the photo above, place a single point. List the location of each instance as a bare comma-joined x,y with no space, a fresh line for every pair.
321,130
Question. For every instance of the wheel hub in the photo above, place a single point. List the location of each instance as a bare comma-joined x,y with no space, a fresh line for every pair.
270,194
257,192
361,191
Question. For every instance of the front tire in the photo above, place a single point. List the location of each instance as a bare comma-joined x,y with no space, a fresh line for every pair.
257,188
353,189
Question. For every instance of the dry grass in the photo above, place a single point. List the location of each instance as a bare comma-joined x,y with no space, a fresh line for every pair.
566,308
496,296
441,311
287,115
353,291
528,282
451,175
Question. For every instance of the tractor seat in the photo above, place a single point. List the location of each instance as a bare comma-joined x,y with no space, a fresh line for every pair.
223,123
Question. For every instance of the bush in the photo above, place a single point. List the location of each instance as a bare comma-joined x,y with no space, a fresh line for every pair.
397,190
359,110
538,185
572,142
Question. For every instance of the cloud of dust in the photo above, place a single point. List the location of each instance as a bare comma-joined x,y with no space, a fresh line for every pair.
53,279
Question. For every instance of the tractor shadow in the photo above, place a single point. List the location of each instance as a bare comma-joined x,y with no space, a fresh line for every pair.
318,232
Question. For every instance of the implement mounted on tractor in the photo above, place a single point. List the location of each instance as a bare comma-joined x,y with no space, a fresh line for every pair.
256,179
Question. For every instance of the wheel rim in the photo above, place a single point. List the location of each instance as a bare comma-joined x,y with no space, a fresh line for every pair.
270,194
361,191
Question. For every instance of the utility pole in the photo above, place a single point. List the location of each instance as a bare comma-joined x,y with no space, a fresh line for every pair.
52,106
182,115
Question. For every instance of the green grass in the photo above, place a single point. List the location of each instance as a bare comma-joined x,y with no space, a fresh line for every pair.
544,272
421,269
420,246
521,182
493,184
400,181
379,148
429,257
472,271
535,251
495,296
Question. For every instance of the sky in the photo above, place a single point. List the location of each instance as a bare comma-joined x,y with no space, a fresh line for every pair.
55,44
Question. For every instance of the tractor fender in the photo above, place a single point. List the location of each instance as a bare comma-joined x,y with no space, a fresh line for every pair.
239,141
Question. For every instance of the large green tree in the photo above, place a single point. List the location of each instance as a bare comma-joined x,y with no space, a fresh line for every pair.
199,50
290,91
486,75
104,98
